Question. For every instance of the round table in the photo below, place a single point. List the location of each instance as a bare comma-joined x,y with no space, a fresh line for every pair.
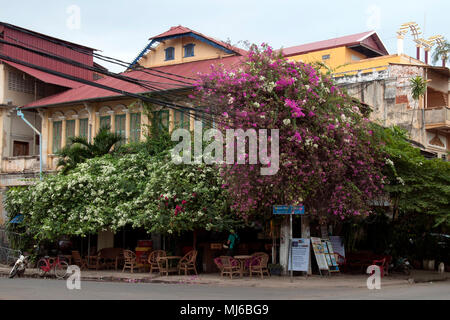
164,265
242,259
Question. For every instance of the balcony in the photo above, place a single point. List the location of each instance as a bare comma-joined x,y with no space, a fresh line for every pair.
24,164
437,118
19,170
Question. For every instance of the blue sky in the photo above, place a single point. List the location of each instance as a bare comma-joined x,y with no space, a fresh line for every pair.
121,28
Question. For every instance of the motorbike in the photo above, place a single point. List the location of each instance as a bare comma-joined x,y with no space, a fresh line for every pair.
19,267
402,265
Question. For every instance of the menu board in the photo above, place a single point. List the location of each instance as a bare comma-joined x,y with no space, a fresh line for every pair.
319,252
299,257
329,255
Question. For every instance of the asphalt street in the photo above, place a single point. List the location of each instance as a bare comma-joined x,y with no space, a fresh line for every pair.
42,289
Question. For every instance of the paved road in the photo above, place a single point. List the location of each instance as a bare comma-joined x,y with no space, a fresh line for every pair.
24,289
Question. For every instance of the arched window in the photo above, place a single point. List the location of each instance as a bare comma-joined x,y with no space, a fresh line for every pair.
189,50
170,53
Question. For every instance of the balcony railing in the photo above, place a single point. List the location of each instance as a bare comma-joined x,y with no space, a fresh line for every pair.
437,118
24,164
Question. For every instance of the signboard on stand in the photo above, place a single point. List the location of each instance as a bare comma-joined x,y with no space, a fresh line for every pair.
329,255
319,253
299,257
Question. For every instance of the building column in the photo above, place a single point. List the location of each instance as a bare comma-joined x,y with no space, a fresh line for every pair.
45,125
2,138
96,124
127,125
113,120
50,135
171,120
77,125
63,132
145,122
192,120
285,237
306,234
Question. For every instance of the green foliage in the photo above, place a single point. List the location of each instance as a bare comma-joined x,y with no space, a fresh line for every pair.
441,52
127,188
418,87
79,149
415,184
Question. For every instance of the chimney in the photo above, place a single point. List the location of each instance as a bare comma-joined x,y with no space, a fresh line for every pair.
427,50
400,44
418,46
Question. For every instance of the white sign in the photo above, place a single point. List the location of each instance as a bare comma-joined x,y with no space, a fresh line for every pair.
299,258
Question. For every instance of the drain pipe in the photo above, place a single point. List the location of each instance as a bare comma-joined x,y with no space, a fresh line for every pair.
20,114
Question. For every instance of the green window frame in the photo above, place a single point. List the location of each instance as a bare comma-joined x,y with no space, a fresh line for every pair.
182,120
209,122
70,129
57,136
105,121
84,128
135,127
161,119
120,123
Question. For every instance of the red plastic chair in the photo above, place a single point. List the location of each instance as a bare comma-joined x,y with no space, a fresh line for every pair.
382,264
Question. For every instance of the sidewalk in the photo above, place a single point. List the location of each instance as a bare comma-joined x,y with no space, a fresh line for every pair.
335,280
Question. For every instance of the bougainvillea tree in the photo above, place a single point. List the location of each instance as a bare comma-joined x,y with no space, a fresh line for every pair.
328,160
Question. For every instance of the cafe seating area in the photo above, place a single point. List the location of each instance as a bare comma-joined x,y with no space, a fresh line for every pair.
159,262
255,264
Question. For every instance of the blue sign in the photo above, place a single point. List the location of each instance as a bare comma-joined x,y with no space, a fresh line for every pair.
298,209
17,219
289,209
281,209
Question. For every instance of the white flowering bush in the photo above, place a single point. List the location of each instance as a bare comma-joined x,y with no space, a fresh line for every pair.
133,189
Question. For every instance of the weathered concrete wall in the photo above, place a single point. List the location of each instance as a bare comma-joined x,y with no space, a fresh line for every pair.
20,164
388,93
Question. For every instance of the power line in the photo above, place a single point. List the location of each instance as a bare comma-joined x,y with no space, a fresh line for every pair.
77,48
162,103
99,70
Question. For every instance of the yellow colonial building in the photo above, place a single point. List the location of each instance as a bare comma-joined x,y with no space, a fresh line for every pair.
168,66
361,52
361,64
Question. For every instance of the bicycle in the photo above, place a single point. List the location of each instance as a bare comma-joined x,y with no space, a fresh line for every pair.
58,265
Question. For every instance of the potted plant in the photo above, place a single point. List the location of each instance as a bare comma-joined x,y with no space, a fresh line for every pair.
275,269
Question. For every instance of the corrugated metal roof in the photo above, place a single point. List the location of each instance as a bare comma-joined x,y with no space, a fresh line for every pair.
43,76
350,40
89,93
46,44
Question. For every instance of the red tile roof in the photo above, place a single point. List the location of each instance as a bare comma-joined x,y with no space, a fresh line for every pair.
86,93
179,30
348,41
43,76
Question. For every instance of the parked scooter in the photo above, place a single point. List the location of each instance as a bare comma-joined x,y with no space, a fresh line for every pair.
402,265
19,267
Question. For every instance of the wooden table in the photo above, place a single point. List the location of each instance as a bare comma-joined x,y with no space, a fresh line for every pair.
242,260
164,264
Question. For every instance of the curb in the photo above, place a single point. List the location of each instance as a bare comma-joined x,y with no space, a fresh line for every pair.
409,281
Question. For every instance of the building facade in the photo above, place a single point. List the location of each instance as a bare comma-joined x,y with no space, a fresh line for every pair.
361,64
21,85
169,65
